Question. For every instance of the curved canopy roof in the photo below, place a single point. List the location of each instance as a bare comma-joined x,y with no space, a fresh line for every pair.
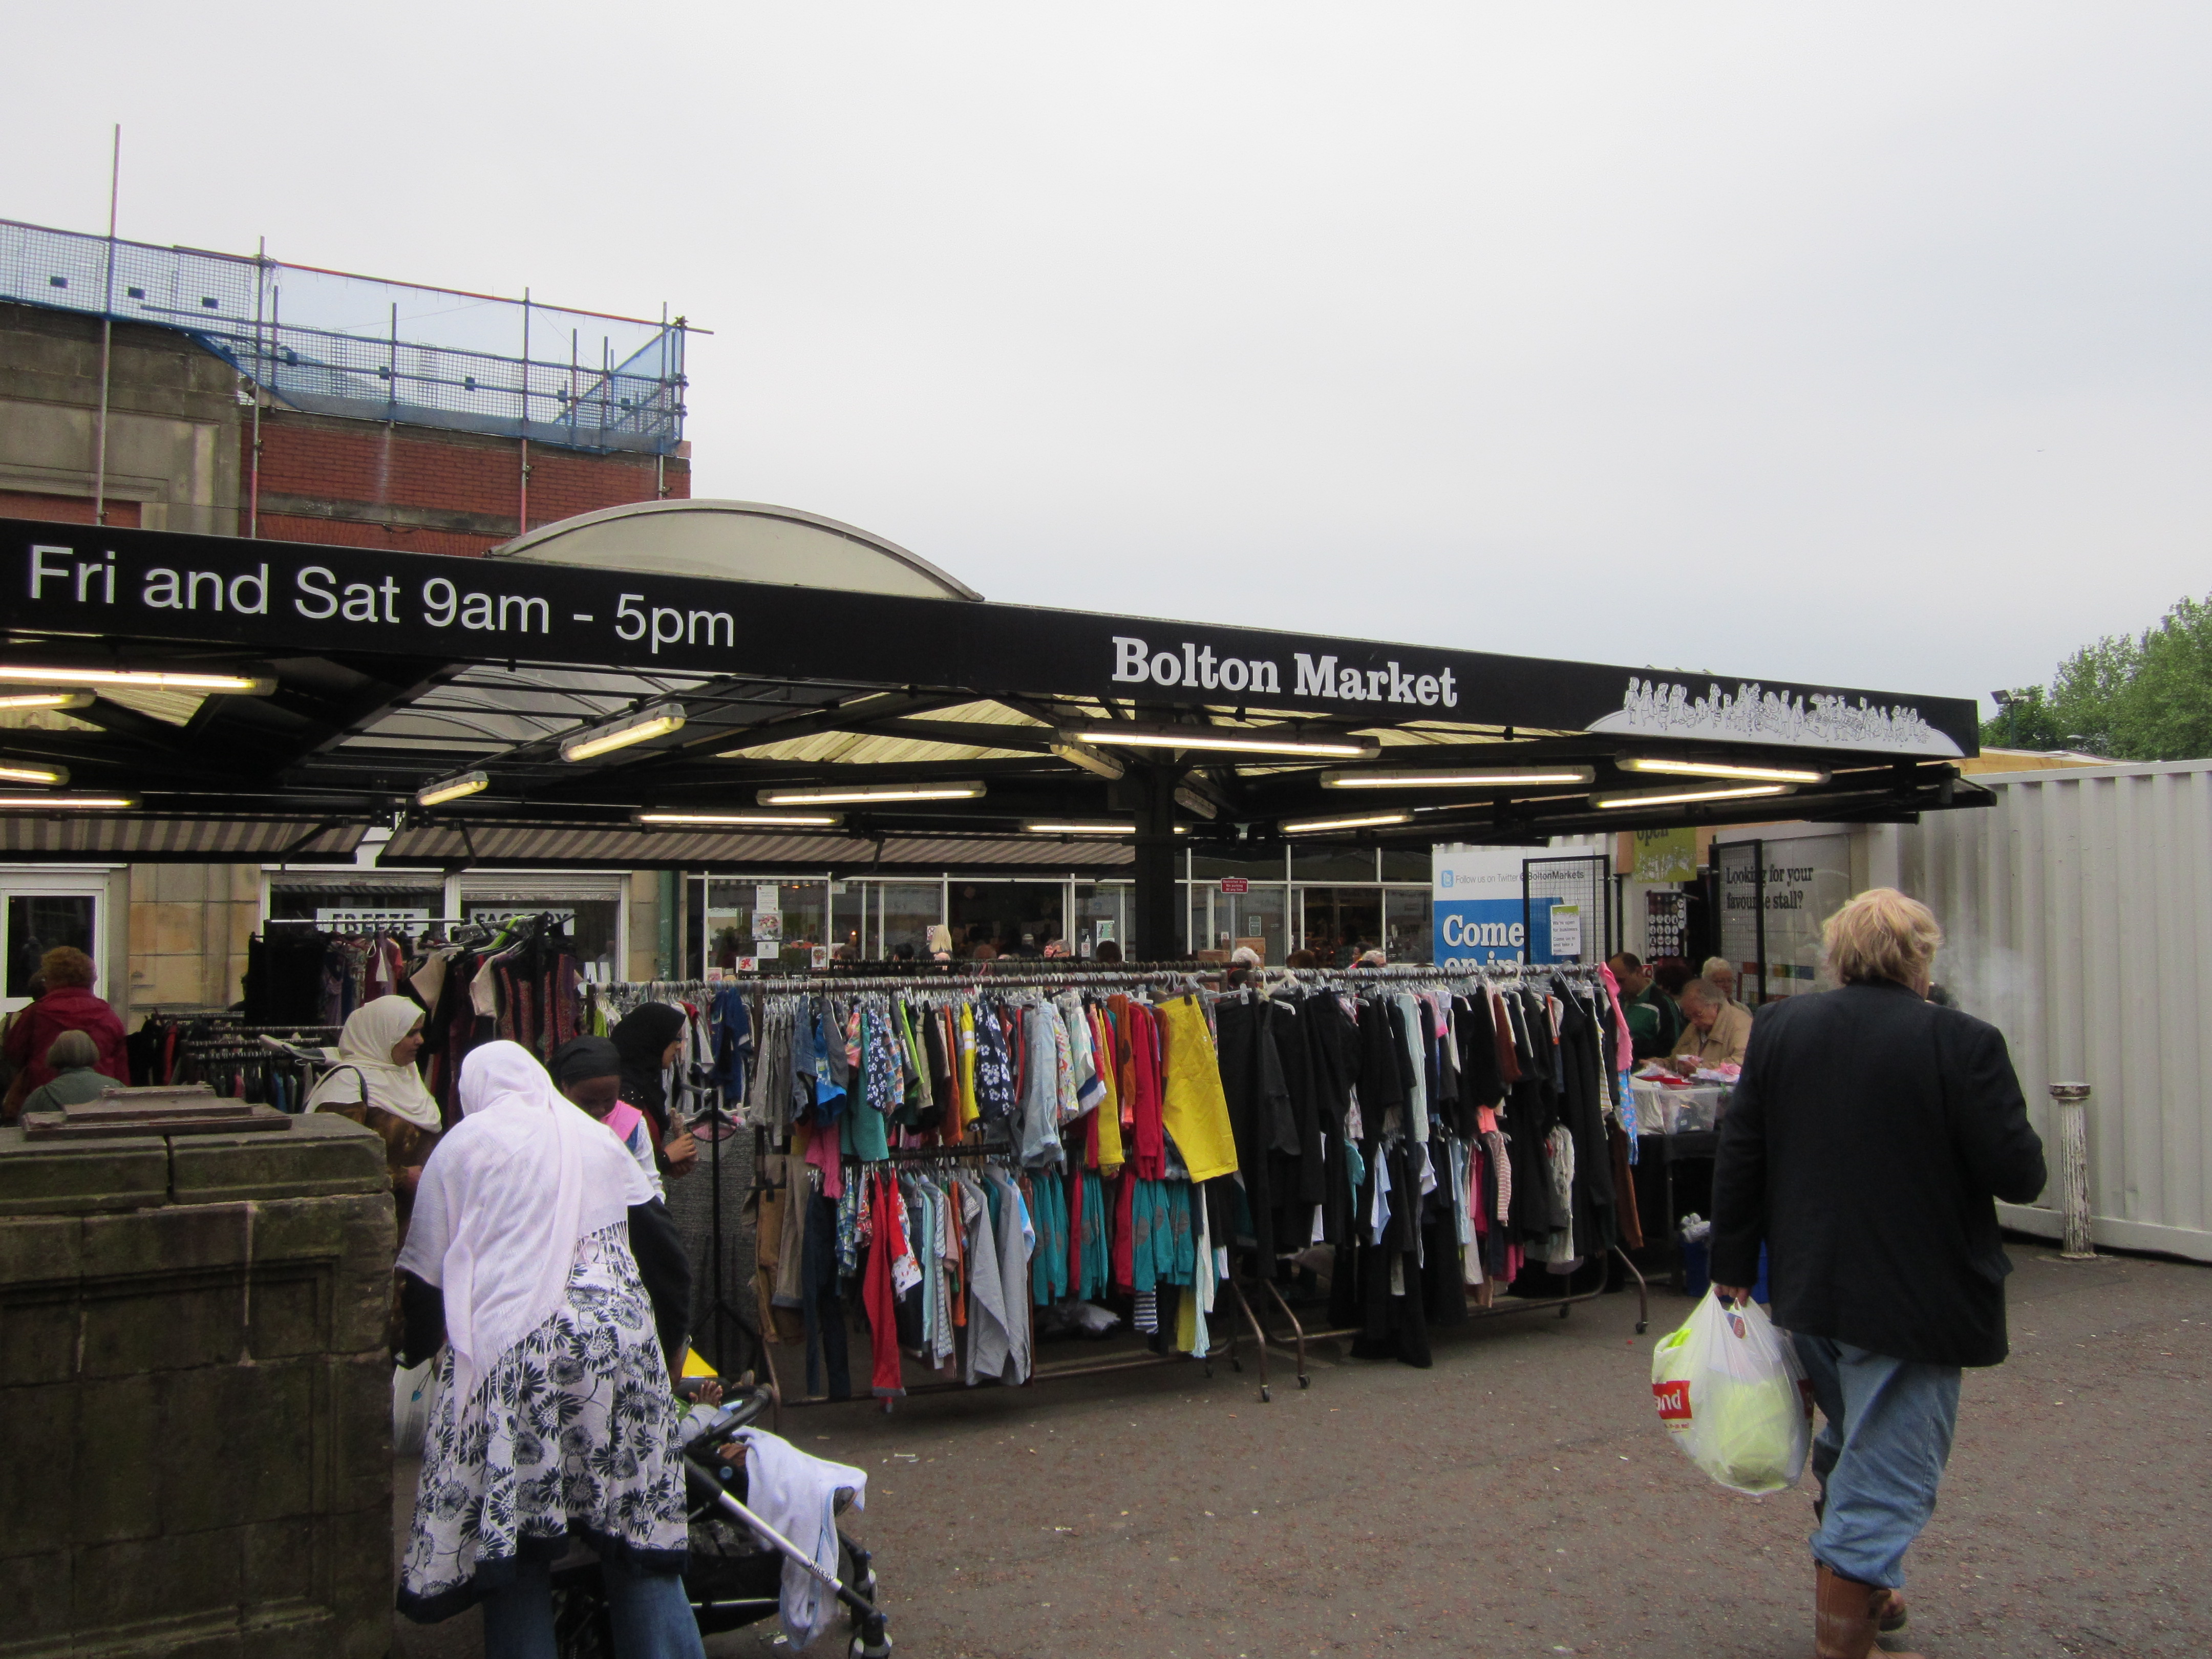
736,541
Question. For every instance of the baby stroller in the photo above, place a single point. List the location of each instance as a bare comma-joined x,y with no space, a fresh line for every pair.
735,1576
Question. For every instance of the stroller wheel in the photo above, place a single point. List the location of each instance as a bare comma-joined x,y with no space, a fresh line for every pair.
861,1649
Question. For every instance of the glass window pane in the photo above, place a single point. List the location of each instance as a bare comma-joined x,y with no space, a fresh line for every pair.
1408,925
908,910
39,922
1257,865
733,904
1102,913
848,919
593,925
1341,922
1013,918
1203,926
1405,864
1332,864
1261,916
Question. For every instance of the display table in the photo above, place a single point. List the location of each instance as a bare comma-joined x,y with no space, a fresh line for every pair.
1681,1122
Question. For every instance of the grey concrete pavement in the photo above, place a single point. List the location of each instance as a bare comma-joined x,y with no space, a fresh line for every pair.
1520,1498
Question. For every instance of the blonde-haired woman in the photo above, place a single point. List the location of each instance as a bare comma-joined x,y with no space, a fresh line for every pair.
1863,1146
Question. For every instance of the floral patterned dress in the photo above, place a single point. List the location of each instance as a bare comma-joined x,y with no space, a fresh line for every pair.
572,1430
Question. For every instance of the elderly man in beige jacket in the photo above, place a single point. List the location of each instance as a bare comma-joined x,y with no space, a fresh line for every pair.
1718,1032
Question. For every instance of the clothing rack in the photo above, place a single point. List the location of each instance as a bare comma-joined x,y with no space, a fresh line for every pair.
1281,1329
1228,1347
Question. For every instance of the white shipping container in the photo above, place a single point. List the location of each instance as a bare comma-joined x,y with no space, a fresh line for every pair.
2078,912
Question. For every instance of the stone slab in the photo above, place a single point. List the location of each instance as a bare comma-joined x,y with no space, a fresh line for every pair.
43,1178
323,1154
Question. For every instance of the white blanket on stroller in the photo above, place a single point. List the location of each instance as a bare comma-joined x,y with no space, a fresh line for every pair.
797,1494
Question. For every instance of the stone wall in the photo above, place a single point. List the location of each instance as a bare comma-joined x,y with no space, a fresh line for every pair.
198,1395
190,927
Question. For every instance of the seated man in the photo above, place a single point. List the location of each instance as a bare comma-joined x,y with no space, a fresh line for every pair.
1652,1024
1718,1031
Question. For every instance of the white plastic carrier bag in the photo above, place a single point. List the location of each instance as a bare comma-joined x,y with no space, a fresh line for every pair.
1732,1394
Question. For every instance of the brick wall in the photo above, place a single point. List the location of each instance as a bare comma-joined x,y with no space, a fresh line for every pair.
361,484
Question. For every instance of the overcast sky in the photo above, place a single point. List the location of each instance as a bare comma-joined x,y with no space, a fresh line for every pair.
1865,344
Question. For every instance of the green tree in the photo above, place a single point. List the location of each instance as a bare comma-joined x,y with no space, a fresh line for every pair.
2145,698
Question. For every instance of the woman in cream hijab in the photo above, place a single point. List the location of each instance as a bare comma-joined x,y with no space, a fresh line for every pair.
375,1083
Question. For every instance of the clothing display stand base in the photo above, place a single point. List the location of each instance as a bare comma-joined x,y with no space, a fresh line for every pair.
1295,1343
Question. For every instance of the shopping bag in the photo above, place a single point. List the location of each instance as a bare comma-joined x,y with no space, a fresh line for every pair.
1731,1393
411,1406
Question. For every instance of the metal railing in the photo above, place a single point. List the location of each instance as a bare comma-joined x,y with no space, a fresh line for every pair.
358,346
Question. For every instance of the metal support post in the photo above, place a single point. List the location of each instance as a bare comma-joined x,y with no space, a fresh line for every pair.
1156,895
2072,1100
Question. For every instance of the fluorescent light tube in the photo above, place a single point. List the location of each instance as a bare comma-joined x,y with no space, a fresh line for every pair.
19,772
244,684
832,794
72,803
46,700
1365,821
446,789
1674,766
737,819
1228,739
620,734
1686,796
1459,777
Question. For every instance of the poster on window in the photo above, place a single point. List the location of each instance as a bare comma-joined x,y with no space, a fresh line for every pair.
1793,886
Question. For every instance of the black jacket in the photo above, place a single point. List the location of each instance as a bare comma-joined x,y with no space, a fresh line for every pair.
1864,1143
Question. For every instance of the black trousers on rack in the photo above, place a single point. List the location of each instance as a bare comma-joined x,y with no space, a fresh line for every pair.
823,1305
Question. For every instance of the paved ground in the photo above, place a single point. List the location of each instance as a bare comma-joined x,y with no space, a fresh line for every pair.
1520,1498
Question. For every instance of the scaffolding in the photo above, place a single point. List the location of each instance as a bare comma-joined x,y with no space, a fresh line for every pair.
332,343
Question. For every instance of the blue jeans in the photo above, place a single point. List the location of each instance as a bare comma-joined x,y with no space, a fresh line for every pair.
1878,1456
651,1618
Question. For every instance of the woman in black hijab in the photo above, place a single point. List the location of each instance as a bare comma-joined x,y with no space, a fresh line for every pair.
648,1040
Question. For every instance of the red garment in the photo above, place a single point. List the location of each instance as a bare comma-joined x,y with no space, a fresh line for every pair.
1150,1126
70,1008
880,1300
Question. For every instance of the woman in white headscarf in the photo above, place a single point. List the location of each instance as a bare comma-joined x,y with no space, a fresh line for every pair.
541,1262
375,1083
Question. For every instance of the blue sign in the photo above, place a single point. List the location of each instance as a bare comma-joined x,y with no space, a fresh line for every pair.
1475,899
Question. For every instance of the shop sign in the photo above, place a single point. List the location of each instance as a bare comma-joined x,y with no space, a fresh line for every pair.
289,597
1566,932
1235,885
767,897
1665,855
768,924
330,916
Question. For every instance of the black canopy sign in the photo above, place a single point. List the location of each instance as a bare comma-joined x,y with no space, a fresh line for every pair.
284,598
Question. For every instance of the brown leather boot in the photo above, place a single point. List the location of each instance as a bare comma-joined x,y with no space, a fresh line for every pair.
1893,1620
1845,1613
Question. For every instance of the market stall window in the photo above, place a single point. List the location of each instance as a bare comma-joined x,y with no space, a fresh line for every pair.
39,922
904,913
772,922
